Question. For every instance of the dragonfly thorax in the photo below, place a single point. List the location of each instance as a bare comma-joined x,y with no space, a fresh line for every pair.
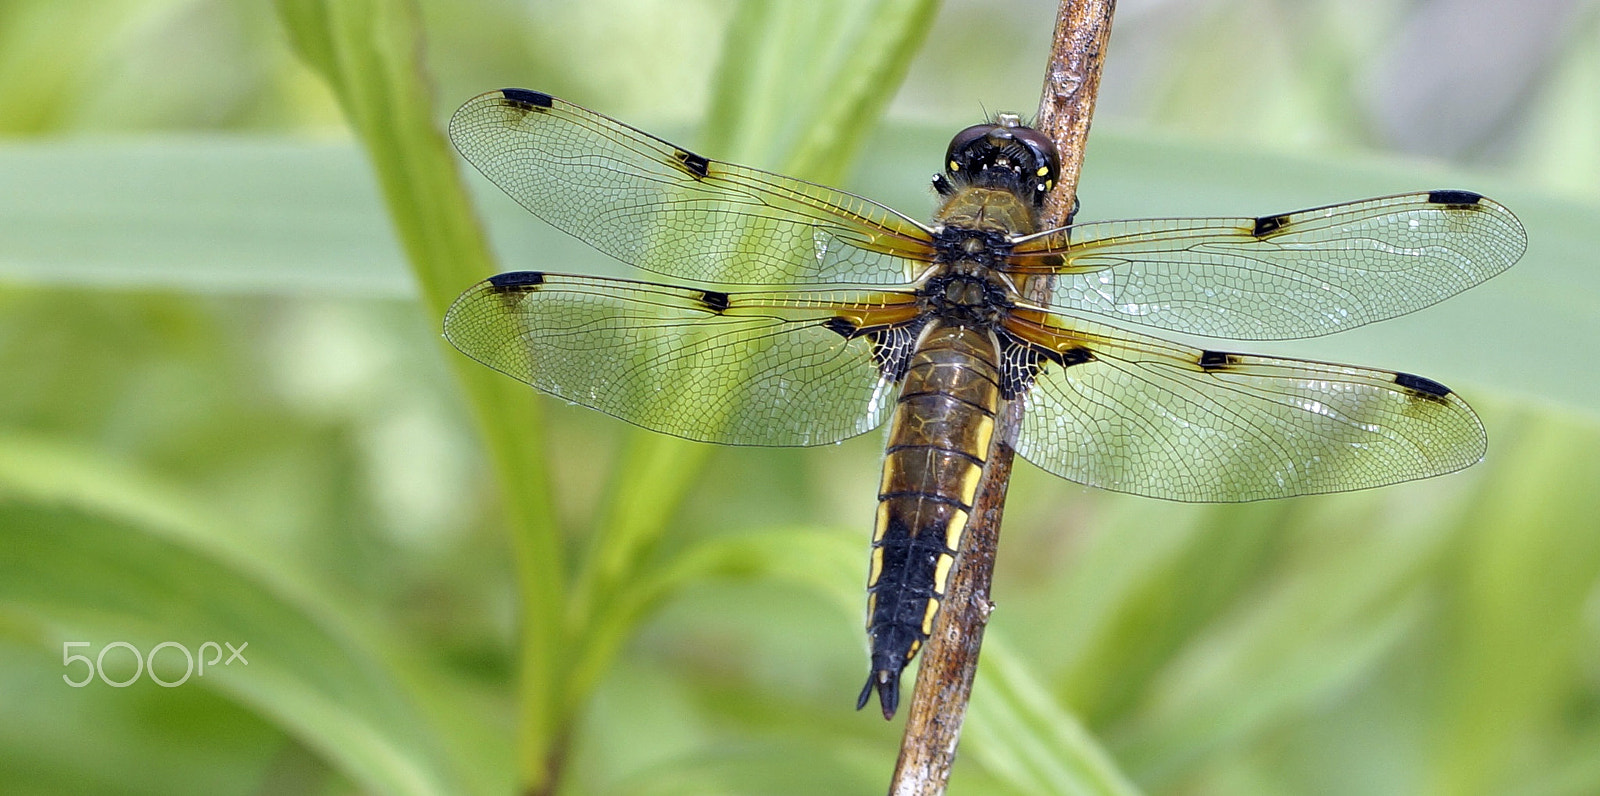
966,294
956,243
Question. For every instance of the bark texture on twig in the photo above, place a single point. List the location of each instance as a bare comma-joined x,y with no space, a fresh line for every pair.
950,658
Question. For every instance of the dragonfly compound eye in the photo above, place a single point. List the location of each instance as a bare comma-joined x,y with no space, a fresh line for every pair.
1006,156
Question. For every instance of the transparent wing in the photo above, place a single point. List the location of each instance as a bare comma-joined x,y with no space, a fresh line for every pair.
662,208
767,368
1301,274
1141,415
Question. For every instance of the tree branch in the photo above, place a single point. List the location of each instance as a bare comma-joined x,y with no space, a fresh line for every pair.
950,658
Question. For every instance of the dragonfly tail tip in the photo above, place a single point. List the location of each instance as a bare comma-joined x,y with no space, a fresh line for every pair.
887,684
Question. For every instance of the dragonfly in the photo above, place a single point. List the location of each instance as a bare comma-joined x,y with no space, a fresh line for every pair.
812,315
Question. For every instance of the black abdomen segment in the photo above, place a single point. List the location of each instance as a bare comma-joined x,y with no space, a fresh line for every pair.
938,442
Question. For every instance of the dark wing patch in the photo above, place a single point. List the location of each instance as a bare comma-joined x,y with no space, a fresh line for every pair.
1217,360
1454,198
694,164
1021,362
662,208
1266,225
531,99
1145,417
1074,356
842,327
1280,277
714,300
892,345
763,370
517,280
1427,387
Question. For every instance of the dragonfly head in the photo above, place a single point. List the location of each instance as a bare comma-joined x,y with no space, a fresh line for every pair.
1006,155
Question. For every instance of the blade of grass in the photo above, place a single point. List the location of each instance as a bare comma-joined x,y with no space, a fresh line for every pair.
878,52
369,52
802,84
1152,577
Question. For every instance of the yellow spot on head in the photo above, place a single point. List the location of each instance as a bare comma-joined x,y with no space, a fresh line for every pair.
1043,170
954,166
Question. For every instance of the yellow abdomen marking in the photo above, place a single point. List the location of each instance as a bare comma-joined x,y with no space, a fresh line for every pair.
941,573
969,483
927,617
984,437
955,529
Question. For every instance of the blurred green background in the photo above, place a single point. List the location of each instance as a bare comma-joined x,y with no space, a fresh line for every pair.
227,233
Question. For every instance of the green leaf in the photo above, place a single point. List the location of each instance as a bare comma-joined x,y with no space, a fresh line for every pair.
822,561
101,554
1517,639
795,767
1321,622
1023,738
803,84
1155,575
199,214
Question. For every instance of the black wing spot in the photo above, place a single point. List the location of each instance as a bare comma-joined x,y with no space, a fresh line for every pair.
1217,360
517,281
714,300
841,327
692,163
1454,198
1266,225
1420,385
1073,356
526,98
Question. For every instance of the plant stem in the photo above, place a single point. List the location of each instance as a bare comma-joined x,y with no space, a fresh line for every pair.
950,658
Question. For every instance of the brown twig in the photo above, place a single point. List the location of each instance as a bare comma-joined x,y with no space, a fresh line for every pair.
950,658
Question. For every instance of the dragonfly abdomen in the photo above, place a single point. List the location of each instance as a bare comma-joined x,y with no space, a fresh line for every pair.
938,443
